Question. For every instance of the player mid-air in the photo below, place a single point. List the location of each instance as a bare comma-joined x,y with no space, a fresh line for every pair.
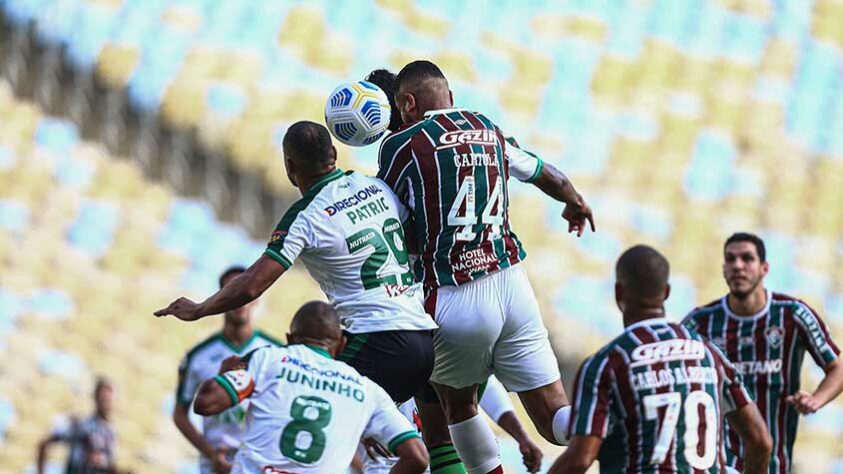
221,433
307,411
766,335
347,229
652,400
451,168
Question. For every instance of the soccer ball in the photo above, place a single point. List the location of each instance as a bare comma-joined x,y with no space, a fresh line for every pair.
357,113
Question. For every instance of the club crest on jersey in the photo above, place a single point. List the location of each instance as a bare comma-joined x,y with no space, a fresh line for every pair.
277,235
467,137
775,336
666,351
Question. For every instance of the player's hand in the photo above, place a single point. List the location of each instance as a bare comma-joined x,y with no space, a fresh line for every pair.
375,449
804,402
231,363
182,308
578,214
531,455
220,463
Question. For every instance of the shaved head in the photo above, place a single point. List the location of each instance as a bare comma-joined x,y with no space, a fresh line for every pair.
308,152
643,272
317,323
420,87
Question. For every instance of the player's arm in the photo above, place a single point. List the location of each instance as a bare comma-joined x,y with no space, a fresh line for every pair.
181,419
412,457
241,290
496,403
43,449
230,387
581,453
750,426
529,168
830,387
825,353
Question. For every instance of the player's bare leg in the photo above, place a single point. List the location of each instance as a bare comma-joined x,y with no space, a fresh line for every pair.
474,440
443,455
549,409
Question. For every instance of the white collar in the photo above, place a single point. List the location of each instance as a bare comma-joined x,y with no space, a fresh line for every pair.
647,322
766,309
431,113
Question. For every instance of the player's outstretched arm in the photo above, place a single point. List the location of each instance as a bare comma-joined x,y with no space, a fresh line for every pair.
581,453
182,421
830,387
241,290
412,457
749,425
555,184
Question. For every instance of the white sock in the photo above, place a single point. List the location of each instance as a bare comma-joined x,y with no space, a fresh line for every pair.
476,445
560,424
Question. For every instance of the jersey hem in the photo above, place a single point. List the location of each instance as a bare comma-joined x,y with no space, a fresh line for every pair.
232,394
398,440
279,258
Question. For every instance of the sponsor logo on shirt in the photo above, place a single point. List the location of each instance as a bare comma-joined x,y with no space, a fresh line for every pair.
467,137
277,235
304,366
666,351
759,367
353,200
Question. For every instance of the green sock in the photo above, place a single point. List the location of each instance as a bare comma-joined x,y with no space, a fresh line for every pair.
444,460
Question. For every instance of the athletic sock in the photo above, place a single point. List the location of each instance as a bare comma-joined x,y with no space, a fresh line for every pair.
560,424
476,445
444,460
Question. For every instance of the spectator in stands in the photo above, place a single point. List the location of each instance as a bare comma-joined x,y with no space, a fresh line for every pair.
92,440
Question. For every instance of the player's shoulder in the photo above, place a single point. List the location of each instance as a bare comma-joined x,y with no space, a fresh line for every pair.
398,140
263,336
204,346
706,309
799,308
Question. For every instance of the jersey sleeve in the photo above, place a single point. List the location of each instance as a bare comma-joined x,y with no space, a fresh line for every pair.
732,393
523,165
592,398
291,237
188,383
394,161
495,402
387,425
815,336
240,384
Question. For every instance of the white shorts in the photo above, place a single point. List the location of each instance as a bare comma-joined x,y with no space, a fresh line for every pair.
491,326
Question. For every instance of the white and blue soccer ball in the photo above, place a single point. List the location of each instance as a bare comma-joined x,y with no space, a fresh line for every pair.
357,113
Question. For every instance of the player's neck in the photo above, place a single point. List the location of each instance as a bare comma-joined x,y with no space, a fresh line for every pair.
750,304
237,334
634,315
306,182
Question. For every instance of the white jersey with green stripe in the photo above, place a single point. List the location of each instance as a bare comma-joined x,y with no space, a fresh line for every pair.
202,362
347,229
308,412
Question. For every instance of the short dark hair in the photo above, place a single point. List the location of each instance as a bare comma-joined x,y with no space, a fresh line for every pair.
385,79
309,141
417,71
234,269
101,383
316,320
643,270
748,237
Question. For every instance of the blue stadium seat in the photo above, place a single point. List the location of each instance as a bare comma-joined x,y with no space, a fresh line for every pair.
56,363
53,304
591,301
56,135
683,297
14,215
93,229
709,174
8,416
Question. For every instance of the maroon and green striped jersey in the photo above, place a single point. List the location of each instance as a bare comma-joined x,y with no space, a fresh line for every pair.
657,395
768,349
451,170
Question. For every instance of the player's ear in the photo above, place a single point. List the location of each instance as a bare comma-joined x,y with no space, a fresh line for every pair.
290,339
451,96
765,268
619,296
341,343
667,291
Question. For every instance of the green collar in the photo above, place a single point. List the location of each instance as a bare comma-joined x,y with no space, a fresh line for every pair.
238,349
320,350
324,180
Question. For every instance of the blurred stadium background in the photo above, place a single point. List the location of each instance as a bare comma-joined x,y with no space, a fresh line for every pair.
140,155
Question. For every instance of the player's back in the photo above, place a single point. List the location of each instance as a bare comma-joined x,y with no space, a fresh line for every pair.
309,411
452,170
659,393
347,230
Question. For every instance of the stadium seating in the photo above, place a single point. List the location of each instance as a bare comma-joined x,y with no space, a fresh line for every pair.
682,121
89,249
